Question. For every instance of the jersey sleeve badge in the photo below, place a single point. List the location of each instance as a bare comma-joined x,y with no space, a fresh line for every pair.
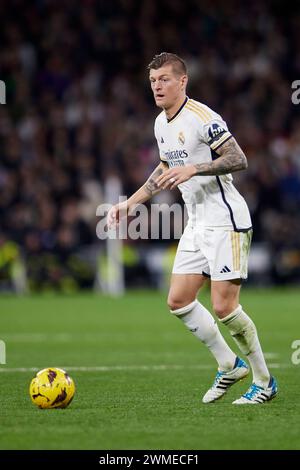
217,134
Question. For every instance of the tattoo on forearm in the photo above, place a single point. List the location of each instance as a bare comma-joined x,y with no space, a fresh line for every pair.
231,159
151,186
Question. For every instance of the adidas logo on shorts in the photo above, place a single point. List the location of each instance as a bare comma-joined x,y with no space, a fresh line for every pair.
225,270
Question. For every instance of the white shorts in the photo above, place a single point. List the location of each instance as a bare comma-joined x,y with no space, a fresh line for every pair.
218,253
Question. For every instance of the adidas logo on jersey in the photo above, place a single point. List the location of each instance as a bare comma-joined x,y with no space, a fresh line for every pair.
225,270
162,140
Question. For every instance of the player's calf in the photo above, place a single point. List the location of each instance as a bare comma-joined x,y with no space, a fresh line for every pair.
201,323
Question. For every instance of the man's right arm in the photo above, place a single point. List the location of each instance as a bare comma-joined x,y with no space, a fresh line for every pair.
143,194
150,188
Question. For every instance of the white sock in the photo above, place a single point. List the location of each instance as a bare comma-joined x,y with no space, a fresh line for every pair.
243,331
201,323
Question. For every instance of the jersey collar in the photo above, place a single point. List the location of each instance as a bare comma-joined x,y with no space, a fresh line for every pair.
179,110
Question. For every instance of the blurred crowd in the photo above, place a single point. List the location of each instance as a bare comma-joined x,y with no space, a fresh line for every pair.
79,111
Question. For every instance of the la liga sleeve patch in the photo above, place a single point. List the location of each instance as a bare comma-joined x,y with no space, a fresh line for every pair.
217,134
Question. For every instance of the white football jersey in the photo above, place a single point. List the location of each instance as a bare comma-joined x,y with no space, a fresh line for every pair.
190,137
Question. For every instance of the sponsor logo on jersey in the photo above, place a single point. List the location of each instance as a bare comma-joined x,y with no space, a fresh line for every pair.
162,140
175,157
175,154
181,138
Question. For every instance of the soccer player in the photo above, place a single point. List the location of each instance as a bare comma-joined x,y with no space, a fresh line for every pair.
198,155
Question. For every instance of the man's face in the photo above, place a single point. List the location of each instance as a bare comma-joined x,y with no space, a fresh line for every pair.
167,86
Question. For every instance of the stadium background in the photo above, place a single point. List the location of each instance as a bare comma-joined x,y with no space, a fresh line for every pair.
78,115
79,110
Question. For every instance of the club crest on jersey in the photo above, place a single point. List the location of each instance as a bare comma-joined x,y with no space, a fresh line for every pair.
181,138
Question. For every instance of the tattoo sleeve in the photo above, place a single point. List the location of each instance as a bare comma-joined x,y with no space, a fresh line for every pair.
150,186
148,189
231,159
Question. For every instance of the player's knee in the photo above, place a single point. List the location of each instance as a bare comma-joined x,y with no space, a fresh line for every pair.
177,304
222,308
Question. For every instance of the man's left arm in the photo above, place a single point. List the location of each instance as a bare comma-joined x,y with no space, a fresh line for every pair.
231,158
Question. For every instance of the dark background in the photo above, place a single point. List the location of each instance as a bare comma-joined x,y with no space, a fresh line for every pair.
79,110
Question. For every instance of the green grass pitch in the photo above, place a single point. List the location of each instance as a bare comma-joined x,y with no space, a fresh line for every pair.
140,375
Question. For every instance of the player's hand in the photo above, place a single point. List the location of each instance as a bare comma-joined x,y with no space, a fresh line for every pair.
116,213
174,176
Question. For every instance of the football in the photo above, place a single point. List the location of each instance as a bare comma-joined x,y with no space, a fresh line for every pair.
52,388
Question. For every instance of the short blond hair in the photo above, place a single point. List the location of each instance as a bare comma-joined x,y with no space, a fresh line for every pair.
165,58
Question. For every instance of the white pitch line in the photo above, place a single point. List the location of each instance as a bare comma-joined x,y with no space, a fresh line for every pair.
271,355
71,337
161,367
